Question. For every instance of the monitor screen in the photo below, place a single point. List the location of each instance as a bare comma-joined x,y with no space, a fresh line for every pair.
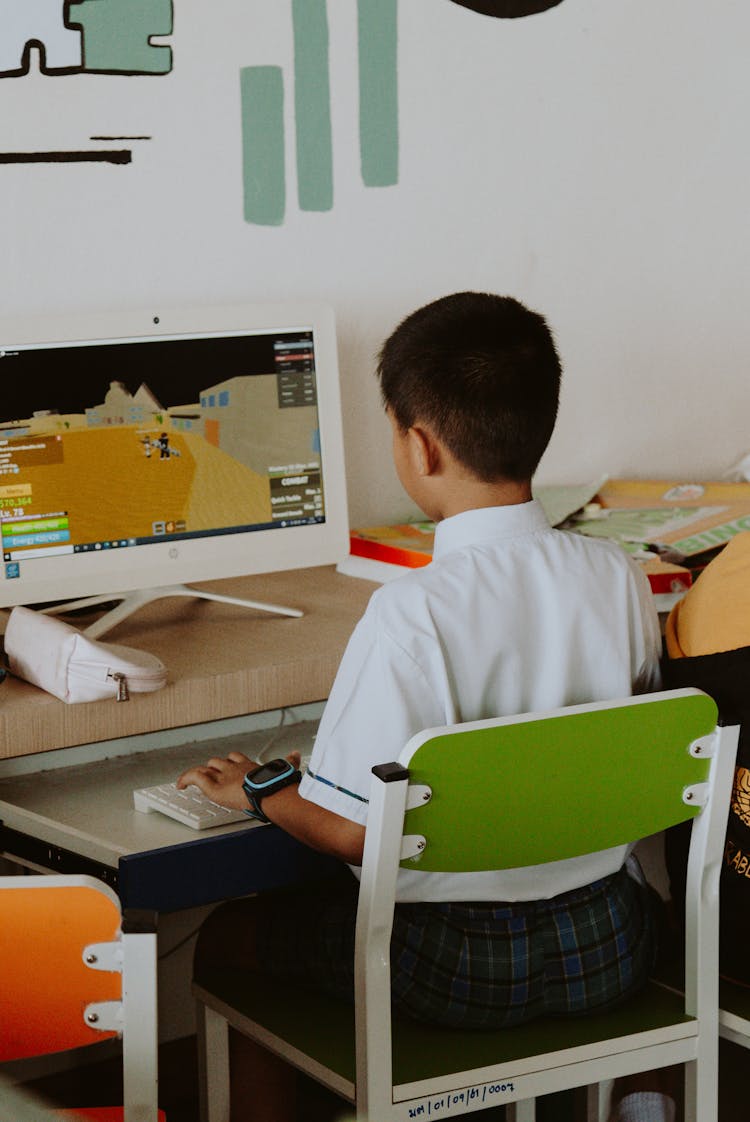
151,449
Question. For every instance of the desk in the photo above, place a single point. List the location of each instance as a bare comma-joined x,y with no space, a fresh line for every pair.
222,661
81,819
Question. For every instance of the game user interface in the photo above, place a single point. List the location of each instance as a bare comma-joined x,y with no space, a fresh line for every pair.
112,445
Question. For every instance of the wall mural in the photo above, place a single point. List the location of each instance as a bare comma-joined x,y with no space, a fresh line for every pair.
83,36
112,37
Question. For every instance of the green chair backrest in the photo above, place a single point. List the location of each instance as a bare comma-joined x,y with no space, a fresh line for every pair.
527,790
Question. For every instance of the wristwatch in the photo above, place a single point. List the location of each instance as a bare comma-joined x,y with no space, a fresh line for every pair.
267,780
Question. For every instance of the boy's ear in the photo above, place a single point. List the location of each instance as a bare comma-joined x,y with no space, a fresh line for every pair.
424,451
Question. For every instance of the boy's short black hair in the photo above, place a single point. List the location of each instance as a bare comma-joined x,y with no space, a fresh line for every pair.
482,372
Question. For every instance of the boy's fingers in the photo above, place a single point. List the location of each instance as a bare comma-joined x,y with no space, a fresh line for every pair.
188,778
241,758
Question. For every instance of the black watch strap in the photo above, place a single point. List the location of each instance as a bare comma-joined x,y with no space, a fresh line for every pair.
256,797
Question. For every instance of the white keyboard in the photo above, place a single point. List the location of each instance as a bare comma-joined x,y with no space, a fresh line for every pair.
191,806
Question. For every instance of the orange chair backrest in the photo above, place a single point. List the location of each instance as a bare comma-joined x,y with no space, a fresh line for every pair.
45,985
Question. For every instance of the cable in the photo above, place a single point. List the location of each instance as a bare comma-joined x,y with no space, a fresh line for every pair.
261,755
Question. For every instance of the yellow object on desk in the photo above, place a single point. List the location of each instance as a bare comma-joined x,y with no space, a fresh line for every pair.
715,615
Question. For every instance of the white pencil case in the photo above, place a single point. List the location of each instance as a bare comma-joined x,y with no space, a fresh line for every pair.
62,660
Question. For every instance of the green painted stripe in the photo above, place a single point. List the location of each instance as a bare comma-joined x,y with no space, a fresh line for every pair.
312,103
263,164
378,91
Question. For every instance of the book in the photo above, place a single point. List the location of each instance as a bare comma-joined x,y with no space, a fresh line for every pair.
665,577
408,544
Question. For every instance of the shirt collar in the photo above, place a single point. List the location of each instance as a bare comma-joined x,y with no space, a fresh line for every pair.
488,524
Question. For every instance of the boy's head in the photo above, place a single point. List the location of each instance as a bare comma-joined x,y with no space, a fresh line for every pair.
482,373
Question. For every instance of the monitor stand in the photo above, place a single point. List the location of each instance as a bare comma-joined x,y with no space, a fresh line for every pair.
131,601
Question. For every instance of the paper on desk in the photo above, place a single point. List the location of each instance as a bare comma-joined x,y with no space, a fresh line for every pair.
560,502
681,518
739,472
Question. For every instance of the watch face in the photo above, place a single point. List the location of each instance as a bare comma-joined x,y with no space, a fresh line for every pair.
268,773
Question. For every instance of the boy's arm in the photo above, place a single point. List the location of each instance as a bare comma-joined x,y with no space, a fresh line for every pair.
221,780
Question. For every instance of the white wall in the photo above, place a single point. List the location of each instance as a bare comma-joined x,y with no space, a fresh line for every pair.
592,160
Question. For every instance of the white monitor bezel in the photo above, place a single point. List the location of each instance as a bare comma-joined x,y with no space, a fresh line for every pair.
194,560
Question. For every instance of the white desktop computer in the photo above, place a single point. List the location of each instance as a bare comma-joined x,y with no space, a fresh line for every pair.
143,451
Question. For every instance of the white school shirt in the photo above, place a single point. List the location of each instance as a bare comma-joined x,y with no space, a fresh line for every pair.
511,616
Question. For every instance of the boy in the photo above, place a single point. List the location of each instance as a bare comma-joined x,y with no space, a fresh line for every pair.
511,616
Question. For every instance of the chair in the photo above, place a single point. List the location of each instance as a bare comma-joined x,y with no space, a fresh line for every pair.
587,777
73,973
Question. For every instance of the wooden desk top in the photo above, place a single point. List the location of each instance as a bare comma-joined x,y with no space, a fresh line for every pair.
223,661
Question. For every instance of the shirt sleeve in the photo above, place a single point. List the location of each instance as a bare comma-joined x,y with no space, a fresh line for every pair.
379,700
647,676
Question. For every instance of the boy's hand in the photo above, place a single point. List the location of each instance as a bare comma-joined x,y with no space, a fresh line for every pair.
221,778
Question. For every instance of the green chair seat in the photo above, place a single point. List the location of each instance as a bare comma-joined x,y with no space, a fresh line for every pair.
322,1027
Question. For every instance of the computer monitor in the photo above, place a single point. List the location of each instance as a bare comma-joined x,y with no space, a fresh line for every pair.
143,451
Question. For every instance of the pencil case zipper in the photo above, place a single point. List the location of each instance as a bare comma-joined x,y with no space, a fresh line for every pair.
139,681
123,693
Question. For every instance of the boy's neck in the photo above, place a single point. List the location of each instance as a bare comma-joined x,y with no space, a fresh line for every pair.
470,493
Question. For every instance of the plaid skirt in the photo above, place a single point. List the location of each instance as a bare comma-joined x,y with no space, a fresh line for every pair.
476,965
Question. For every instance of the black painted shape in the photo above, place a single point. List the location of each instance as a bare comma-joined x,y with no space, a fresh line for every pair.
508,9
121,156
